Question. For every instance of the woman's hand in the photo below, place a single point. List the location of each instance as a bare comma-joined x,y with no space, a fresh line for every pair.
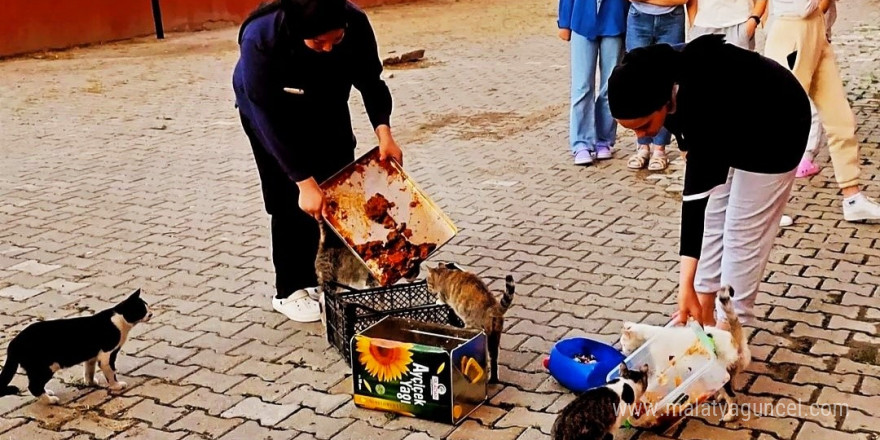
688,305
311,198
387,145
565,34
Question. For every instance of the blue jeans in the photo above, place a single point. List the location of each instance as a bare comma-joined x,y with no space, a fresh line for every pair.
646,29
591,121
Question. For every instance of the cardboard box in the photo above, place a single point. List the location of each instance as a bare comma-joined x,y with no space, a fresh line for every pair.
429,371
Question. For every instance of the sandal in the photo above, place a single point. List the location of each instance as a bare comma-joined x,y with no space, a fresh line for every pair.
659,161
639,160
807,168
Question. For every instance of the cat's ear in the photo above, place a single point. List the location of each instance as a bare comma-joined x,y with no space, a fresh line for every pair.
623,369
644,369
134,295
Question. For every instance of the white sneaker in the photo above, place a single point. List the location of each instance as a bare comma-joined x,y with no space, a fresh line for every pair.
298,307
786,221
860,207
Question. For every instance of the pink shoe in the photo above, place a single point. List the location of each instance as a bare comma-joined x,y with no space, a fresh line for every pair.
807,168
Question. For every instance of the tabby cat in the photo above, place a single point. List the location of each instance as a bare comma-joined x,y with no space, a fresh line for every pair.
337,263
598,413
472,301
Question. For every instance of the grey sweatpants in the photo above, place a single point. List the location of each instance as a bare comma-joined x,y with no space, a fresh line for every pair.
742,221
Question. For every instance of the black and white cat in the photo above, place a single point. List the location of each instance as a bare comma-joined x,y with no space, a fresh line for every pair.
43,348
598,413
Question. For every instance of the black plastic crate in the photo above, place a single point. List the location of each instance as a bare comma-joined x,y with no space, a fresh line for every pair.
350,311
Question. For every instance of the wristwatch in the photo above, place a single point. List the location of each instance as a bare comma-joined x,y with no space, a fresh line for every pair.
756,18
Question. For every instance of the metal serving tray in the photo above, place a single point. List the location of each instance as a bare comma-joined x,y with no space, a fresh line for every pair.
347,194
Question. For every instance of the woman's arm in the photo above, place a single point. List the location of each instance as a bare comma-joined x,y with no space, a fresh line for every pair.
377,98
691,6
758,10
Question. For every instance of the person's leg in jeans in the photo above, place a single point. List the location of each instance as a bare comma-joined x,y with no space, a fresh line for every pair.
669,29
610,54
639,33
583,98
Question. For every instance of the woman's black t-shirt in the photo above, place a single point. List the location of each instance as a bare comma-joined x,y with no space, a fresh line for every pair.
734,109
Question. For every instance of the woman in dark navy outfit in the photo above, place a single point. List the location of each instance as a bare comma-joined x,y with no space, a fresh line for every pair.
299,60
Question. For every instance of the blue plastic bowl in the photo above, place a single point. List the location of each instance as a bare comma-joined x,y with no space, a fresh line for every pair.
580,377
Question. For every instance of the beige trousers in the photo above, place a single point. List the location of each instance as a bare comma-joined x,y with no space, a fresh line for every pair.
815,66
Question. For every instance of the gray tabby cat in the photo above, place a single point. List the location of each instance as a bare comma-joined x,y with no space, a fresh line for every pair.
336,263
474,303
598,413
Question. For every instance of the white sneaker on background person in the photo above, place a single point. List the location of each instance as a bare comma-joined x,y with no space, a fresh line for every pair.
860,207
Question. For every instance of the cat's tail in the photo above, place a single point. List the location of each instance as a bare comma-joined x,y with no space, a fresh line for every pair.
737,333
9,369
507,298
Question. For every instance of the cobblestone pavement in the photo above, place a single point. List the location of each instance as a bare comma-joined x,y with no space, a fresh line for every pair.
123,166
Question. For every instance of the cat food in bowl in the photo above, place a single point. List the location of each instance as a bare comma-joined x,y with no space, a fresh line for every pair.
581,363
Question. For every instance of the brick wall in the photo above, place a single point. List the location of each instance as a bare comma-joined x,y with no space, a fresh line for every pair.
35,25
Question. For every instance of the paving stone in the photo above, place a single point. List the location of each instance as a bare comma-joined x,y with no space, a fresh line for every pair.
118,405
163,392
49,417
161,369
158,416
215,381
19,293
811,430
697,430
766,385
33,431
470,429
321,426
7,424
201,423
527,419
534,401
487,415
830,396
806,375
251,430
144,432
858,421
322,403
34,267
849,324
254,409
99,427
211,403
361,430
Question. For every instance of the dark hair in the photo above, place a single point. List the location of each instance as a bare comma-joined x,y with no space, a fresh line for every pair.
301,19
643,82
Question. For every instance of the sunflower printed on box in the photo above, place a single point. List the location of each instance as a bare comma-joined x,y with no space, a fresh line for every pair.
429,371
